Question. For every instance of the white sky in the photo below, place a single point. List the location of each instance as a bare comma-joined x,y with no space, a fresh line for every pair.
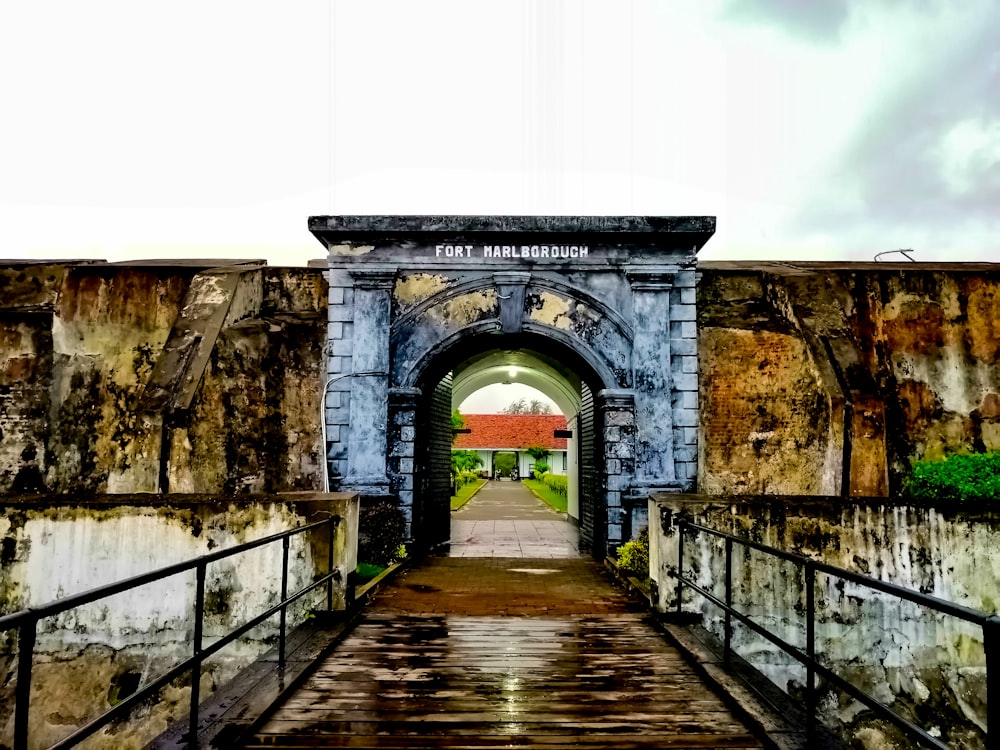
493,398
827,129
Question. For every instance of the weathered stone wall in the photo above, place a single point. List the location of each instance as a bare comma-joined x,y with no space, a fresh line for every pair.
90,657
99,363
929,667
412,298
829,379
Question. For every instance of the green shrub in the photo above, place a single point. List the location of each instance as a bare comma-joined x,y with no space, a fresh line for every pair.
540,468
557,483
463,478
367,571
956,478
633,557
380,532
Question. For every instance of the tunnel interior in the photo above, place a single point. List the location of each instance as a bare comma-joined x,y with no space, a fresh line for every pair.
486,359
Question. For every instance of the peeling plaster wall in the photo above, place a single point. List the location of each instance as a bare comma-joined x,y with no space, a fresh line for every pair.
25,379
921,664
254,424
832,380
98,362
108,328
84,657
765,416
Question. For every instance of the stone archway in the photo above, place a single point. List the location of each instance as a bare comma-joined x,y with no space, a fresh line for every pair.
411,297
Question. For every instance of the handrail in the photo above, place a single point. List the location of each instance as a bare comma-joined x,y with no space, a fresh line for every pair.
989,623
26,622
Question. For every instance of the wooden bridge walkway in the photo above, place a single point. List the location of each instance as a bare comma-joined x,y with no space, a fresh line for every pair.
504,651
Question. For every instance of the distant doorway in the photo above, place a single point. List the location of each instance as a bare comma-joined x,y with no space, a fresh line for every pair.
504,464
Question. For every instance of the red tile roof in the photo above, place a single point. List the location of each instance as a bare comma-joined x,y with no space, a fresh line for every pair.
515,431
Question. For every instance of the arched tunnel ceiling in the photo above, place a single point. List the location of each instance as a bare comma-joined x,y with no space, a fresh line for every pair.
517,366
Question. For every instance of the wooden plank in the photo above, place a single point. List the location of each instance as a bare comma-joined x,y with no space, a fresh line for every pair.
592,675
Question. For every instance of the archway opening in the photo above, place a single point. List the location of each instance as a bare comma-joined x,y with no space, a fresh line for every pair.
475,362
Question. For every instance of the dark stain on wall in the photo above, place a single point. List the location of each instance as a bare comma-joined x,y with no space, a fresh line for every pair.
881,365
78,344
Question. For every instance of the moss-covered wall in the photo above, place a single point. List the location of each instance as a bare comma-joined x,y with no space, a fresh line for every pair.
89,658
99,362
931,668
817,378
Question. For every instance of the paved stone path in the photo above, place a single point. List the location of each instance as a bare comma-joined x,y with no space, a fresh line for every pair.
481,651
505,519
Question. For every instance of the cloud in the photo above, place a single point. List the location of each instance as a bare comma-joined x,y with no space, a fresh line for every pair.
817,20
924,159
970,156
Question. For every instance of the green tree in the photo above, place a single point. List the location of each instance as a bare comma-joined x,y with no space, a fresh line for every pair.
457,423
523,406
465,461
537,452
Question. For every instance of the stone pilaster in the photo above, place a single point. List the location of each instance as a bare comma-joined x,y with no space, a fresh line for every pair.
369,405
339,365
652,379
402,449
617,418
684,368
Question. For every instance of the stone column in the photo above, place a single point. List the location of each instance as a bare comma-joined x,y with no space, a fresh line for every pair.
369,410
616,410
402,449
652,381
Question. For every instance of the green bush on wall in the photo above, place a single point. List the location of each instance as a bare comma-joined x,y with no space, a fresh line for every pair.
957,478
633,557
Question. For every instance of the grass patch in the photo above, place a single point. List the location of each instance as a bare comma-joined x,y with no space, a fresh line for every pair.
557,501
463,496
368,571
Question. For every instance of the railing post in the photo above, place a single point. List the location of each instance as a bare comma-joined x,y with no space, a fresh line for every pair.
680,562
991,645
26,635
810,573
283,617
332,526
199,616
729,602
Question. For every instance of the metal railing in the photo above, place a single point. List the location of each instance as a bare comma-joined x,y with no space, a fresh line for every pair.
26,623
990,625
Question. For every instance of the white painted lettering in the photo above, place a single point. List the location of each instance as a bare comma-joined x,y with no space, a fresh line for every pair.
555,252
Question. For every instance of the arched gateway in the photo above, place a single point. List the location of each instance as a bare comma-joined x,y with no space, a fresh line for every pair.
604,307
